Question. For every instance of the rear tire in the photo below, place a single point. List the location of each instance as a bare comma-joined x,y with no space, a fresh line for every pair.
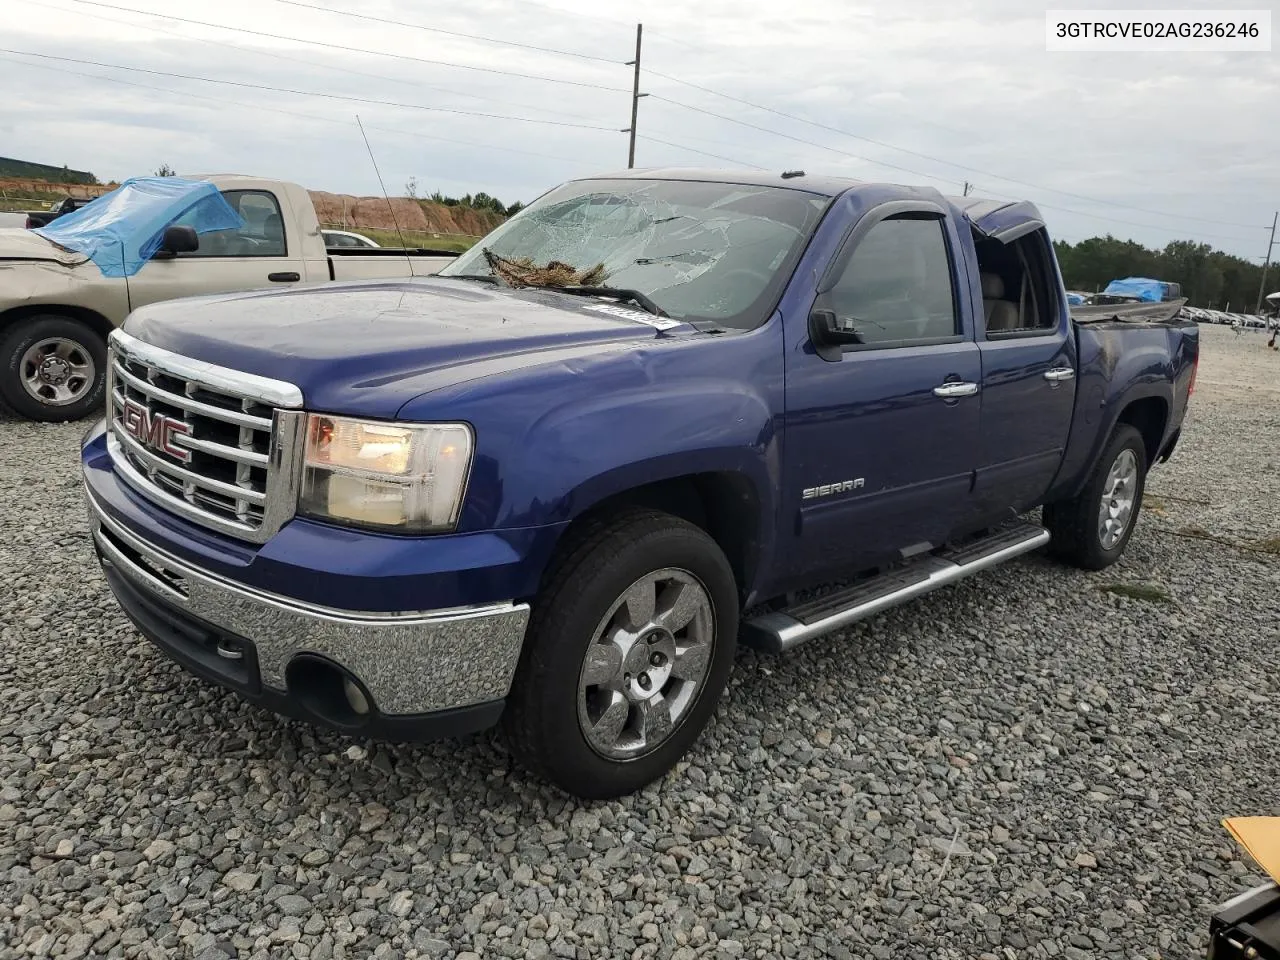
615,606
54,368
1091,530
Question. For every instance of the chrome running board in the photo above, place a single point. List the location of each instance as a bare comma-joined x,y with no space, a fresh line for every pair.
781,630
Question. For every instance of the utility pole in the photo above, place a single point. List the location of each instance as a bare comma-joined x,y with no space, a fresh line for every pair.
635,99
967,187
1262,285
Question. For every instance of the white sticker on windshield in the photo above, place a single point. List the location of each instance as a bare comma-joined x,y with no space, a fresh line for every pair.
626,313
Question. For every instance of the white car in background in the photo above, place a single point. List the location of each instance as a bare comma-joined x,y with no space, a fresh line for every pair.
343,238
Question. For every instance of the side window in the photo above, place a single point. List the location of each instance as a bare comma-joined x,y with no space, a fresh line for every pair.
261,236
1019,286
896,286
1040,307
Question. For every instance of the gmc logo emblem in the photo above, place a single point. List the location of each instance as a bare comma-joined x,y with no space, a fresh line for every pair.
155,430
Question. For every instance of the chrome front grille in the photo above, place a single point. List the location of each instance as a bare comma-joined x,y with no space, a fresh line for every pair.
212,444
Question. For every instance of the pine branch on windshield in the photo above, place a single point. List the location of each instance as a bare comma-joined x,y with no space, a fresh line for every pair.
523,272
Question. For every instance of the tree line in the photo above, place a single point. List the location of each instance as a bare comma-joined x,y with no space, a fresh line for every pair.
1210,278
476,201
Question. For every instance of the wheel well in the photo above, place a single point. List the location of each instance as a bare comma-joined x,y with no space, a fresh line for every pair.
724,504
1149,417
90,318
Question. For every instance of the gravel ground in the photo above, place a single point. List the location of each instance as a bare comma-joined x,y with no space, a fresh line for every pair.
1027,765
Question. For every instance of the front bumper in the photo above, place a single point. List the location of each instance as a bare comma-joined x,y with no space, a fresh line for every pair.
422,674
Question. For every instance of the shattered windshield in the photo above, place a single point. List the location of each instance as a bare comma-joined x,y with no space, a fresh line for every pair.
708,253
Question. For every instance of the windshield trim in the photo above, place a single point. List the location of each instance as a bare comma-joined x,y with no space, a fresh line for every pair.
710,178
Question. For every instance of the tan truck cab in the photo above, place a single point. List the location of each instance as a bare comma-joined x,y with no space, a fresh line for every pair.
57,307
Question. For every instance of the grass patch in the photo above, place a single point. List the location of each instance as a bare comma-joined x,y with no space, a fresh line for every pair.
1151,592
30,200
1154,506
1270,545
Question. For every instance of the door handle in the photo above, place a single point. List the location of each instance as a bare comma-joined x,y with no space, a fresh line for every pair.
955,388
283,277
1059,373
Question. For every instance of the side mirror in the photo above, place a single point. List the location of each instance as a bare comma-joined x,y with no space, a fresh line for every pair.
178,240
827,329
829,332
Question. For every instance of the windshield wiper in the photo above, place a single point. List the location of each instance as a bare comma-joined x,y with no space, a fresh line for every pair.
618,293
478,277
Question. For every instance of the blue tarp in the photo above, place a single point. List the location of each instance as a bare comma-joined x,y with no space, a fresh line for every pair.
1149,291
122,230
1075,299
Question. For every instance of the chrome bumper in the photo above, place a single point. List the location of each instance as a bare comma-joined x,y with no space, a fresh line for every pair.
410,663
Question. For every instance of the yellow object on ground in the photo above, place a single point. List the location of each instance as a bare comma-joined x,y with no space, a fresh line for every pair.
1261,837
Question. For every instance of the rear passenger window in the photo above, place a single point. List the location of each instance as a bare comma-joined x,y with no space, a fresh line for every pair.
896,287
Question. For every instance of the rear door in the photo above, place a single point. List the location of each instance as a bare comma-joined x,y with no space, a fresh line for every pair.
262,253
1028,364
882,436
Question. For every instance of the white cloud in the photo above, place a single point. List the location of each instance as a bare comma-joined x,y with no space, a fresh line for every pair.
965,82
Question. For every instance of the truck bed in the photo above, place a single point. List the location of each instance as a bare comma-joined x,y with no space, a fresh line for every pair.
354,263
1140,312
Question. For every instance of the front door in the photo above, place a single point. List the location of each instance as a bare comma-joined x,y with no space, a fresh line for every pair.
256,255
882,437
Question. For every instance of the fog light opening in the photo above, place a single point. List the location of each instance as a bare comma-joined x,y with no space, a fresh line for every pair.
328,691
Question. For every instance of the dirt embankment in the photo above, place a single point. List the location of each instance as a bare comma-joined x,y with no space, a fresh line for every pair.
419,216
28,187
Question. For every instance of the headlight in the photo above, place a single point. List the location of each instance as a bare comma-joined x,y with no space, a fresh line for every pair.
407,478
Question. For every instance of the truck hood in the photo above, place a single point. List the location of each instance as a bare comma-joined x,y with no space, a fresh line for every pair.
18,243
367,348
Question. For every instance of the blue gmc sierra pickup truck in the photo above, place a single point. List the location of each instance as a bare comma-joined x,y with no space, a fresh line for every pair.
646,418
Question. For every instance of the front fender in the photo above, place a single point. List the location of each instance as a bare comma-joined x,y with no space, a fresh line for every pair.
555,439
621,440
27,285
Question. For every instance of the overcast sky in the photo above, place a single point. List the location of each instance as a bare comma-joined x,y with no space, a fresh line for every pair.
950,90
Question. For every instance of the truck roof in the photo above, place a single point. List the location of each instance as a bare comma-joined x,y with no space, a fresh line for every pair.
979,210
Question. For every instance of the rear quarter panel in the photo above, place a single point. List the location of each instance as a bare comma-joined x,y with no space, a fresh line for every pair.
1120,363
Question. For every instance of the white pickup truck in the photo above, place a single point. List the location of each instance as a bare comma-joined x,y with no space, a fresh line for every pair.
57,306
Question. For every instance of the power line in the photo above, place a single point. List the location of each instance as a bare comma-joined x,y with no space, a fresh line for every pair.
1134,223
447,33
274,55
787,136
311,93
609,20
721,144
915,173
925,156
681,146
307,116
350,49
400,131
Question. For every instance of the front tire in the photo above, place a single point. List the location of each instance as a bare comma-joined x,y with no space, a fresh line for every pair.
54,368
628,650
1091,530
